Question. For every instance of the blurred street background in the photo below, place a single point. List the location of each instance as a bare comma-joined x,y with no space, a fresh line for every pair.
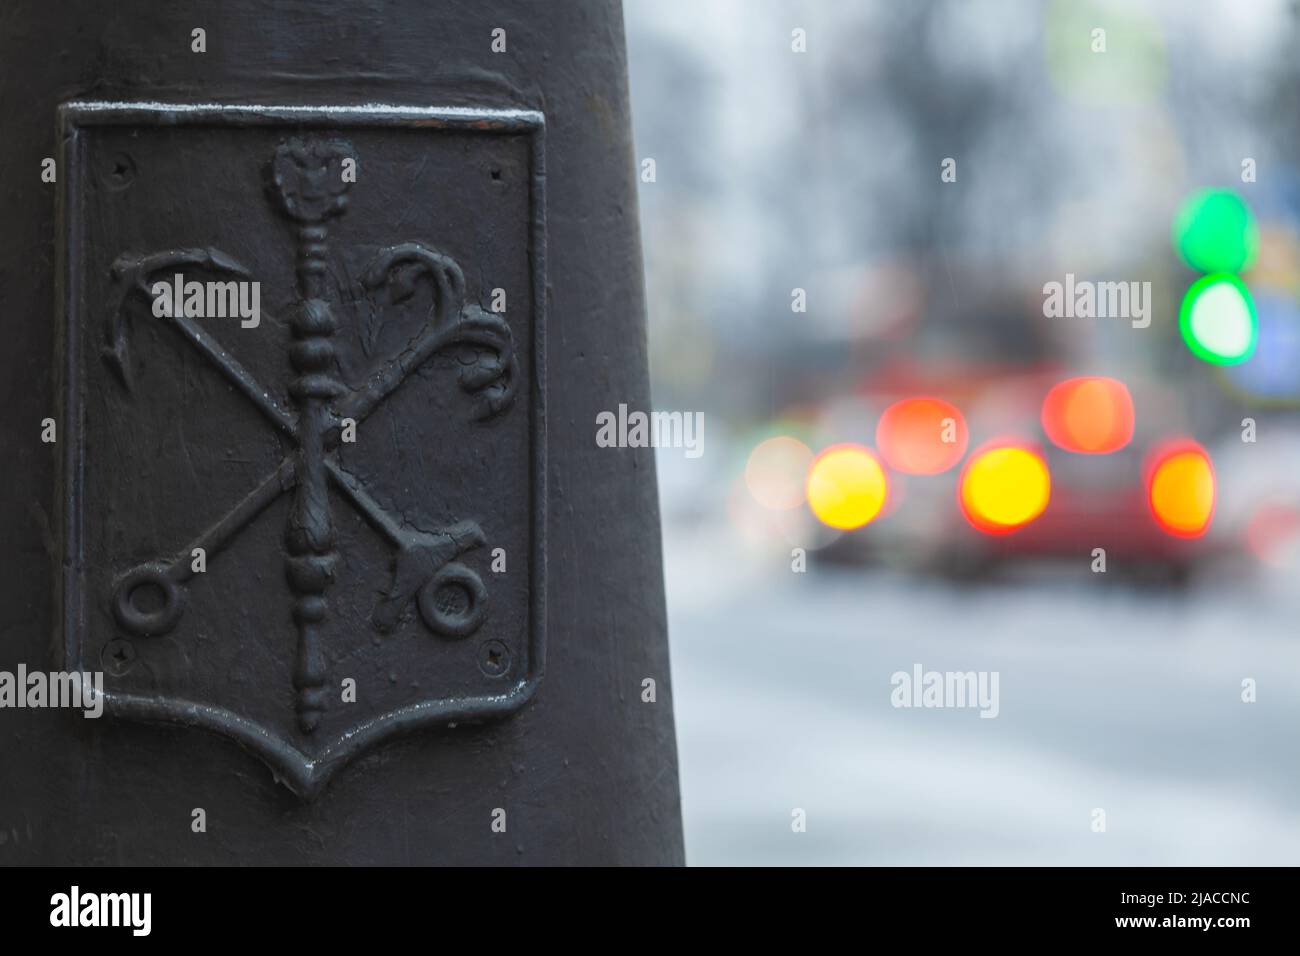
910,459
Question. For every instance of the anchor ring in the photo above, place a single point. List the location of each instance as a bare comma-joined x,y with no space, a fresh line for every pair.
147,623
453,602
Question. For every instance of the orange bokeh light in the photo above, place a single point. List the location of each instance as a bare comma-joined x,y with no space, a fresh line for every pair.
922,436
1092,415
1180,488
1005,485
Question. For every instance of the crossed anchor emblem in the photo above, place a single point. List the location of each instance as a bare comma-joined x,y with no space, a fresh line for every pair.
305,179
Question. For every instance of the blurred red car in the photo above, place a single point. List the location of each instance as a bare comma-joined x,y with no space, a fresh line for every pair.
1097,500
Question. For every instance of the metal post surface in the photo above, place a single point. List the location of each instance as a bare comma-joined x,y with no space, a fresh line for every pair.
363,588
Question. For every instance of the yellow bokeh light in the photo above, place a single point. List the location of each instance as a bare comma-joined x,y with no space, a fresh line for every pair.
1004,488
846,487
1182,493
776,472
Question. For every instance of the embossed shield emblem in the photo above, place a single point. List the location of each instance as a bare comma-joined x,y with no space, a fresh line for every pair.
310,524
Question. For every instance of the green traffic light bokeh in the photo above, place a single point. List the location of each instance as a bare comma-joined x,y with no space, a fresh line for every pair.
1217,319
1215,231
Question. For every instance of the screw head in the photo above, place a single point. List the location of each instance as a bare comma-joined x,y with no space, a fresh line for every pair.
118,656
119,171
494,658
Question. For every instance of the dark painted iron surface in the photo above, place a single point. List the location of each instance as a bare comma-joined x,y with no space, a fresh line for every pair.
375,561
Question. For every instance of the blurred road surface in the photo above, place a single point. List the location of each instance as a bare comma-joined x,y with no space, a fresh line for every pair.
1123,699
